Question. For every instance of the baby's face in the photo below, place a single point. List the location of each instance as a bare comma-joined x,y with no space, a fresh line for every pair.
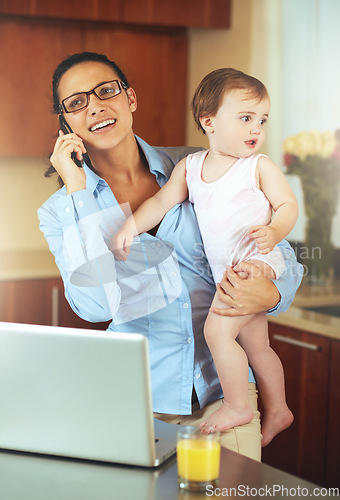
239,126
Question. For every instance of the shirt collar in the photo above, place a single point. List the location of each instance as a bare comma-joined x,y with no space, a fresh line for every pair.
156,164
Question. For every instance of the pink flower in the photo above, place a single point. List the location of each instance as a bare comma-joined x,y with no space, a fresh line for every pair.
288,159
336,152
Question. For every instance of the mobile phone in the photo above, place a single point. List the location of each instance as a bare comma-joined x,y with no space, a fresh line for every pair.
64,126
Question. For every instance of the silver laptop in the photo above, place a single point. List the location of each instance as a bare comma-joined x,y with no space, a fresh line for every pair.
79,393
37,477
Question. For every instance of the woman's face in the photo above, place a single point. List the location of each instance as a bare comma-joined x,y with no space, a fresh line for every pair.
114,114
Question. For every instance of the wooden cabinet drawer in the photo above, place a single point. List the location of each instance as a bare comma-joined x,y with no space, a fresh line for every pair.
302,449
39,302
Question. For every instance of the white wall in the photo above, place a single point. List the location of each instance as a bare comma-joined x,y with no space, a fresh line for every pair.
311,78
23,189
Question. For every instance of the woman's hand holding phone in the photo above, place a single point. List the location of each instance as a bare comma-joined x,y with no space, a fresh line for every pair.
74,177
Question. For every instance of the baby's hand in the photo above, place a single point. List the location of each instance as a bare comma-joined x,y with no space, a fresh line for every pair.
121,243
265,237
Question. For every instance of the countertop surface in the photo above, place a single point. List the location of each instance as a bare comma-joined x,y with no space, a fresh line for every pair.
54,478
40,264
311,321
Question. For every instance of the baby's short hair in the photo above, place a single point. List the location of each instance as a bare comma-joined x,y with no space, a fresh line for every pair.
210,92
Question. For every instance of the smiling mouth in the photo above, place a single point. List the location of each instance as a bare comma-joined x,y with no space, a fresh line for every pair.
101,125
251,143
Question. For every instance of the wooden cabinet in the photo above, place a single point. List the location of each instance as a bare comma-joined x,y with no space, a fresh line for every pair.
26,301
94,10
16,7
333,441
195,13
40,302
310,447
145,37
154,62
188,13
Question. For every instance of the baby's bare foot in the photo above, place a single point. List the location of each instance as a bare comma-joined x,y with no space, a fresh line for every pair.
225,418
274,423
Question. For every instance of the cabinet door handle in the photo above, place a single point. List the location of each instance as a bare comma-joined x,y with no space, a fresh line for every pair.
55,306
298,343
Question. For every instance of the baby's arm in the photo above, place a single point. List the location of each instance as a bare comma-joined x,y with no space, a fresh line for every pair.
280,195
152,211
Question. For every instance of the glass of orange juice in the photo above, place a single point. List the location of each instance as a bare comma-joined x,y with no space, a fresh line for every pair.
198,458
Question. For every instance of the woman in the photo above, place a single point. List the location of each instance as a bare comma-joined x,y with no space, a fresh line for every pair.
78,221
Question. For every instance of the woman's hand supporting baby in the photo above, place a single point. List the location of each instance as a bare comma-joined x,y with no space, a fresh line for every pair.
246,295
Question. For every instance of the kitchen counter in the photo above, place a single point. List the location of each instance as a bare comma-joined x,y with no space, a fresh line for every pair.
309,296
55,478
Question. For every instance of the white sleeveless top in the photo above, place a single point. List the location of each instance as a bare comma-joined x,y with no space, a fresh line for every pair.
226,209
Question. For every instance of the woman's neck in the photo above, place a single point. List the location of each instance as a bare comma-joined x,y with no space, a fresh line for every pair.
123,162
126,171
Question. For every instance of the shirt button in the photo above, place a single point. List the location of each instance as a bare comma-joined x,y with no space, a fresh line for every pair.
173,274
198,375
185,305
80,203
67,209
189,340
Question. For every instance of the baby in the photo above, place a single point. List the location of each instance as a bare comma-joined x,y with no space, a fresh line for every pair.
234,193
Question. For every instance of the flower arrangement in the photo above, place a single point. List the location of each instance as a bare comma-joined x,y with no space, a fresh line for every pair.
315,157
315,143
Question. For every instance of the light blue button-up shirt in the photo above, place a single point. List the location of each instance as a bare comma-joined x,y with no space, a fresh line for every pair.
78,228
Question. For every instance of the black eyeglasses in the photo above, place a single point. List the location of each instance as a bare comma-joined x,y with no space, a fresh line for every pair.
79,101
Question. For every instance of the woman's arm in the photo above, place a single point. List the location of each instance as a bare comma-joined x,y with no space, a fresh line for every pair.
71,226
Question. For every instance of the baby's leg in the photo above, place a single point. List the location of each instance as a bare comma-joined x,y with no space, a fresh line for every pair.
269,376
232,368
